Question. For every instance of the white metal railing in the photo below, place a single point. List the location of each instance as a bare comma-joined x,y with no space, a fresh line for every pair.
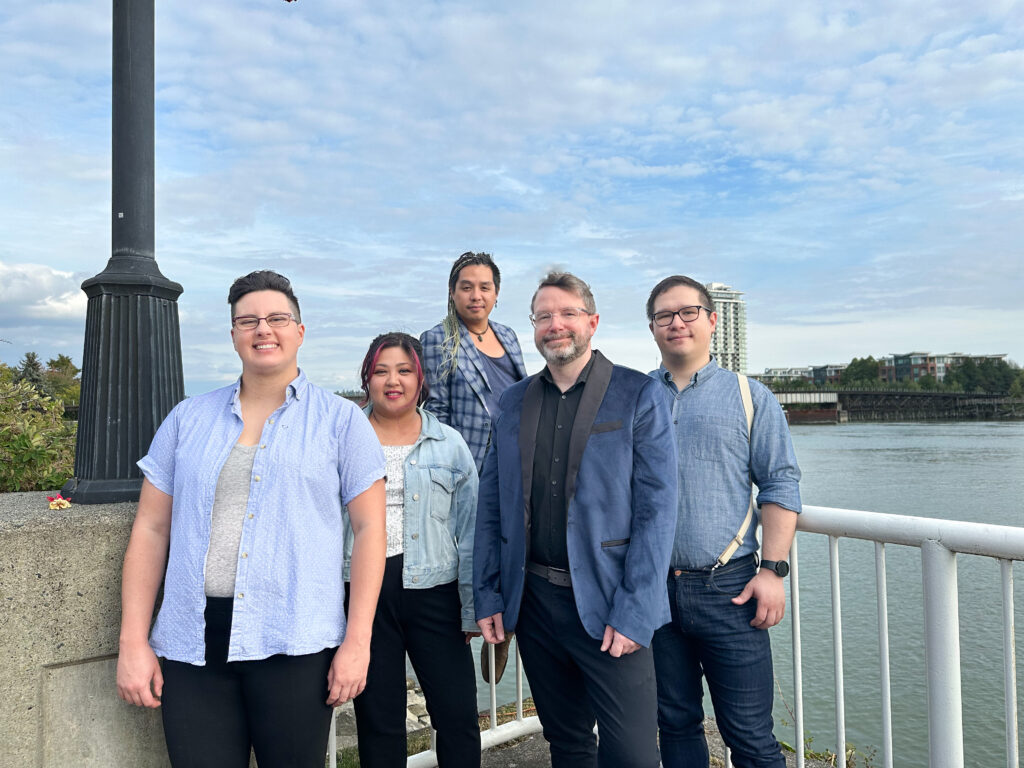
521,725
939,541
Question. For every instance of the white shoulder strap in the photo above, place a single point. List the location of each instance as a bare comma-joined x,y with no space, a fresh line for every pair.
737,540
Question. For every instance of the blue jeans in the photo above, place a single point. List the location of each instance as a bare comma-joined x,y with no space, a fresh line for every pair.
710,636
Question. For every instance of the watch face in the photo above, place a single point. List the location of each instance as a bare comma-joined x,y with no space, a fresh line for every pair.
779,567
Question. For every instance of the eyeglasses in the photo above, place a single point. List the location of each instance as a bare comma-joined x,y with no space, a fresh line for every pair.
686,314
251,322
568,315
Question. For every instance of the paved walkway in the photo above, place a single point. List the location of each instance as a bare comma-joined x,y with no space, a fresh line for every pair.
532,752
528,752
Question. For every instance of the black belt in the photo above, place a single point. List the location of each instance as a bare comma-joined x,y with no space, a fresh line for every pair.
557,576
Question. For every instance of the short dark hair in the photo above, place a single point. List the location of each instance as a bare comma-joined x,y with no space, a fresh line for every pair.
671,282
567,282
263,280
410,345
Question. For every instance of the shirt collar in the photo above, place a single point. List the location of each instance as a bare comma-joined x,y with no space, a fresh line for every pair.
581,379
296,390
698,378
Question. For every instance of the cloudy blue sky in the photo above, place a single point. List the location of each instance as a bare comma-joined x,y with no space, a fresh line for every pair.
857,169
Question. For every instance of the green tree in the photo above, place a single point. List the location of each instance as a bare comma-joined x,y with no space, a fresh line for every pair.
928,382
62,380
31,370
860,371
37,447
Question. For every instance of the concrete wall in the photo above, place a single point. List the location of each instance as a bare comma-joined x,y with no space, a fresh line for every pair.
60,583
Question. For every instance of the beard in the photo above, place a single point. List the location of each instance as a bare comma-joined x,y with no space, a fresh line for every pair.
565,354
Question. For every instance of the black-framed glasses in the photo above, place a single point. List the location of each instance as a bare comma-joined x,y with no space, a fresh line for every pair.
568,315
686,314
251,322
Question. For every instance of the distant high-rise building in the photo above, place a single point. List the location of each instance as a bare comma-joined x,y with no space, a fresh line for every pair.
729,341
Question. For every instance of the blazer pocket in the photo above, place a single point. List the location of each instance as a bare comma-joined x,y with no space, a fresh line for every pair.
614,542
606,426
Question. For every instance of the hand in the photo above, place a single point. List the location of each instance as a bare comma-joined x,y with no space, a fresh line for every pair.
616,643
492,629
767,588
139,679
470,636
346,678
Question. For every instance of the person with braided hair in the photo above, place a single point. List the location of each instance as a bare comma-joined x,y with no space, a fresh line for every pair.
470,359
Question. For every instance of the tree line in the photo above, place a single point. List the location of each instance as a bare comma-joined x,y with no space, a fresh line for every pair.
992,377
37,444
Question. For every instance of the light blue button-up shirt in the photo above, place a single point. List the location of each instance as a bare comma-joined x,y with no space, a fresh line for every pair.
316,452
717,462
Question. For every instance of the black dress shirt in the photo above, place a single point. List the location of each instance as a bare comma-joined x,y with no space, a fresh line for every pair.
549,507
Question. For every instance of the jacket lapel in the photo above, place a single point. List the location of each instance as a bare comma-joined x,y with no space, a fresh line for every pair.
474,369
508,340
593,394
529,418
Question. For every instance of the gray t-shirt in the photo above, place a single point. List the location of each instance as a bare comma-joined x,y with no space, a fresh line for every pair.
229,504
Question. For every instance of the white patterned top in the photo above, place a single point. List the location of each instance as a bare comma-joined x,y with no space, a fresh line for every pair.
395,456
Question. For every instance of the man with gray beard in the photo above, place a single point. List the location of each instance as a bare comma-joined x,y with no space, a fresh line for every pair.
573,536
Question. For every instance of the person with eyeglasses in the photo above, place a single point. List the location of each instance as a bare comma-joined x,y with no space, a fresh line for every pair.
573,535
240,519
731,432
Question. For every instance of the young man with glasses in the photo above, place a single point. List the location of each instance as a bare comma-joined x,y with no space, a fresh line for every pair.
574,526
721,602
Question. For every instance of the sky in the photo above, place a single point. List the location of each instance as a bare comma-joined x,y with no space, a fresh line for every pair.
856,169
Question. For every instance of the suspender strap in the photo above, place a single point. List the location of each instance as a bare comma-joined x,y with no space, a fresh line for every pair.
737,540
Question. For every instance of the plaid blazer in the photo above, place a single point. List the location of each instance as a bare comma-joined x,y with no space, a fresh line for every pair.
458,400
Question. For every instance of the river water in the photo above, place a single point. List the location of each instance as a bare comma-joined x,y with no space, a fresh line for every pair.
965,471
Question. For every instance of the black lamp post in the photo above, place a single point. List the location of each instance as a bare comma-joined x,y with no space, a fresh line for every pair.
131,367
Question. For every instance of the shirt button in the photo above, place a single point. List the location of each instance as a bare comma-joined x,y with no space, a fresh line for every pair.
256,478
415,535
559,426
556,459
250,515
415,497
241,595
412,461
263,446
270,420
554,482
678,572
415,579
563,397
245,555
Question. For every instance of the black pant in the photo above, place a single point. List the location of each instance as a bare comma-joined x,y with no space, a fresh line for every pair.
213,715
574,684
427,624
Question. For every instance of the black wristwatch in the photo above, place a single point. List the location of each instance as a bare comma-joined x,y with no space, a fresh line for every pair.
780,567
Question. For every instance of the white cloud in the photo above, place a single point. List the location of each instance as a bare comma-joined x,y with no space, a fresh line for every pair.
818,158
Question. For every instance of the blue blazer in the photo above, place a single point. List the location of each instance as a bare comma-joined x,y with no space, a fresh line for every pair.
621,485
458,400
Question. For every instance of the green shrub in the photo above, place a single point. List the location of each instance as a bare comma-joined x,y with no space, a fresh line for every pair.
37,447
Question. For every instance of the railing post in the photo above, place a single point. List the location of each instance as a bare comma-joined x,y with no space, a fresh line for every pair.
942,656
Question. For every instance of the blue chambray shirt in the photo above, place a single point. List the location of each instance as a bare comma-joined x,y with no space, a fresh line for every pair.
316,453
717,462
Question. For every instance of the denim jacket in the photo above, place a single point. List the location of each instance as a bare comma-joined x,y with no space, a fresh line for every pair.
440,514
